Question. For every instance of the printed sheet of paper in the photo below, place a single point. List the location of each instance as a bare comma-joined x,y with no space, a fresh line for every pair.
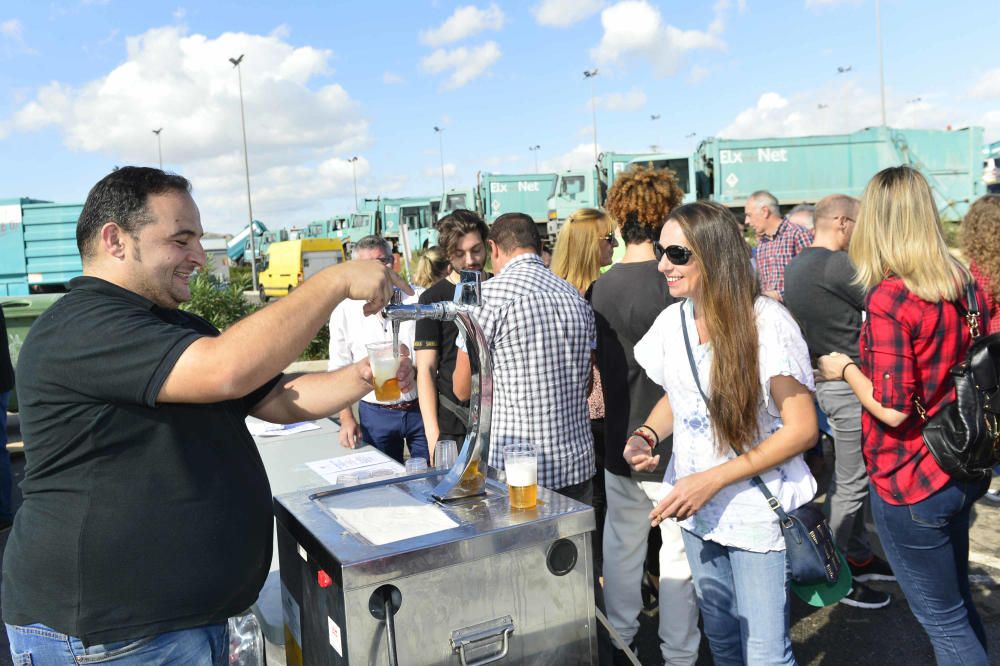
386,514
259,428
368,461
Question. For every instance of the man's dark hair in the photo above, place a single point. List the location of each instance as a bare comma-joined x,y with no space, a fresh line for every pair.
120,197
515,231
456,224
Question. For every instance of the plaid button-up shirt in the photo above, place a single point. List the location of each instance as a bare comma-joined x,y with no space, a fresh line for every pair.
541,333
775,251
908,345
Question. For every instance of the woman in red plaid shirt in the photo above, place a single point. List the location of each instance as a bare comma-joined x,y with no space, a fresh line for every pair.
914,333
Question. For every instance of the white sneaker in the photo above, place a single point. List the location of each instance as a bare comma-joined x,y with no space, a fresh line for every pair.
992,496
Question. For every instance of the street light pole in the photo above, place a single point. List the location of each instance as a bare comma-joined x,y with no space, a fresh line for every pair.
590,74
246,167
535,150
881,72
354,169
440,131
159,148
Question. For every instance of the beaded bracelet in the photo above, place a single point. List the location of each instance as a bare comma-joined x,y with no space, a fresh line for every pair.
656,437
649,440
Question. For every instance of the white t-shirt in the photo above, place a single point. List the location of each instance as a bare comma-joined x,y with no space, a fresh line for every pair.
738,515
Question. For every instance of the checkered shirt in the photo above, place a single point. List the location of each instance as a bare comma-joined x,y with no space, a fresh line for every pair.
541,333
908,345
775,251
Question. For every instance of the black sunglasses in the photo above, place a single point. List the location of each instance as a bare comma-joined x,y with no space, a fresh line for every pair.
677,254
610,237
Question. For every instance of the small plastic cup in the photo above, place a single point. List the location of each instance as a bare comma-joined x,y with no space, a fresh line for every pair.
385,365
416,466
445,453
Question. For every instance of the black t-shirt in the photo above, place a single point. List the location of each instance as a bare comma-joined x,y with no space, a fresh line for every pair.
821,295
626,301
6,369
138,518
441,335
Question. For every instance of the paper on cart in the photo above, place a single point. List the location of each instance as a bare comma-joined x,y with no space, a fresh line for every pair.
330,469
386,514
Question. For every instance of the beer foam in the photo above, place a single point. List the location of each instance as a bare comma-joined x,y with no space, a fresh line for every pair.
384,369
522,473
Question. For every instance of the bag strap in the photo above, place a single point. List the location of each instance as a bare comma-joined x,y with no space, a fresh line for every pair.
972,316
772,501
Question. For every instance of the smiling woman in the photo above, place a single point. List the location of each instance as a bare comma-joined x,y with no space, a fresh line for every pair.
739,407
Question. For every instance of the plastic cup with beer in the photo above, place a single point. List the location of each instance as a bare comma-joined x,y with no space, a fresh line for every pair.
384,364
520,463
445,453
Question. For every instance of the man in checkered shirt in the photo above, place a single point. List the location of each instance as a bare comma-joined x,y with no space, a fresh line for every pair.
541,333
778,240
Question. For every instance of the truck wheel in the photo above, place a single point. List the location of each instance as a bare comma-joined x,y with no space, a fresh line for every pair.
263,294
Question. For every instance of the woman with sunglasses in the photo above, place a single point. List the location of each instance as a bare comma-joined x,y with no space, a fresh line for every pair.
915,332
738,400
584,246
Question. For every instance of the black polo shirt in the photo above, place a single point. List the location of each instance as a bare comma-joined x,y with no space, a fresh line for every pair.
138,518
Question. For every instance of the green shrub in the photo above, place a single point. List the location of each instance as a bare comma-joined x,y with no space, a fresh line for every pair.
221,304
224,305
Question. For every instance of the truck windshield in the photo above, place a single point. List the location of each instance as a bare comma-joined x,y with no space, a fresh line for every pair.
572,186
679,165
455,201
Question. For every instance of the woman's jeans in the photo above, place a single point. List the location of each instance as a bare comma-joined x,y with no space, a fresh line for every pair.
38,645
743,597
927,544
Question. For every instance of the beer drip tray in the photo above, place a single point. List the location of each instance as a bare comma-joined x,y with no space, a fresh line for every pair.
385,514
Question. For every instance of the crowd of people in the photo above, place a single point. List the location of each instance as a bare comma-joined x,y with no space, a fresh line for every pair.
674,390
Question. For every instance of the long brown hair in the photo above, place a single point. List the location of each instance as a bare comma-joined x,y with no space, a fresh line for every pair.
727,291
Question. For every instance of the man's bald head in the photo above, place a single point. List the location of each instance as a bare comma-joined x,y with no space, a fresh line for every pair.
831,209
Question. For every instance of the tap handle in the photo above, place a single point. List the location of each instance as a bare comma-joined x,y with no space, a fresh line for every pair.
397,296
469,290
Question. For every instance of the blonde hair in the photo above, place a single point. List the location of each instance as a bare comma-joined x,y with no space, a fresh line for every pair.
898,233
432,265
577,254
726,295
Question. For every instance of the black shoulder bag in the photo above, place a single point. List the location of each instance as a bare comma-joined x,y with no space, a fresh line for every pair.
964,435
809,547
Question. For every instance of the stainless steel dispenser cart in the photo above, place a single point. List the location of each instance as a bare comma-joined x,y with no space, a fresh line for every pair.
437,568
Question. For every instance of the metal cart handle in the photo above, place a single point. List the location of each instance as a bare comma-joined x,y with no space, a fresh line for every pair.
499,629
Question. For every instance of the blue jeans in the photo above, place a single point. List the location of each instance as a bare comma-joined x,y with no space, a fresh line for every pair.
6,509
386,430
743,597
37,645
927,544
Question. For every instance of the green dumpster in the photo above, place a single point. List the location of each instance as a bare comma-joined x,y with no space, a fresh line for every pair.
20,313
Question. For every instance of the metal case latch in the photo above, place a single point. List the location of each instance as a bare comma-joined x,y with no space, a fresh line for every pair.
479,642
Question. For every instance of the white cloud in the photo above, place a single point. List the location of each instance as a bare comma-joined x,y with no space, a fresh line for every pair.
635,30
564,13
633,100
435,171
12,37
390,78
698,74
581,157
833,109
988,85
463,23
465,64
184,84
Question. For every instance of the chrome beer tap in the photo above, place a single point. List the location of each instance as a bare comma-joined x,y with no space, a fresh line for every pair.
467,477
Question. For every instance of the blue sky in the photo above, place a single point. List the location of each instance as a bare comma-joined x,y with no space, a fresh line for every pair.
86,81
